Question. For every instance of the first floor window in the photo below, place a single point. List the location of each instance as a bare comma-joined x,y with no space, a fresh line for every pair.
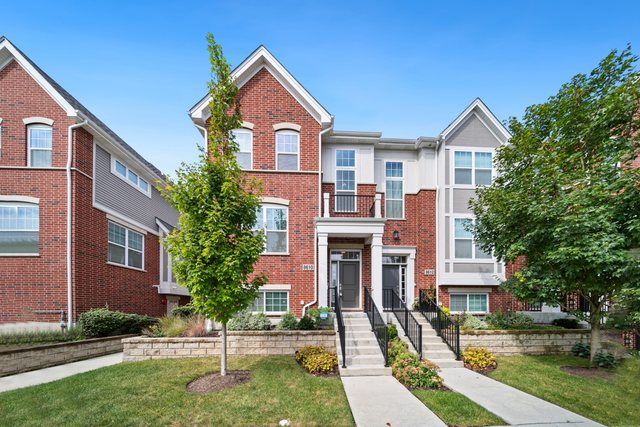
19,228
126,247
271,302
273,220
471,303
40,145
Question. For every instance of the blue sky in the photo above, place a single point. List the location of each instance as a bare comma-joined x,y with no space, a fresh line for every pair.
405,69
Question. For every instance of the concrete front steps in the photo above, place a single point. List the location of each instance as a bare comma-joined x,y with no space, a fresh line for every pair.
433,348
363,354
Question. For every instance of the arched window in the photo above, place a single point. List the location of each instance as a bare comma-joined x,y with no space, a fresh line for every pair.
244,139
19,227
287,150
39,144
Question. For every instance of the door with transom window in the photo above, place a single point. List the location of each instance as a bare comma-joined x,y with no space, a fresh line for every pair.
345,275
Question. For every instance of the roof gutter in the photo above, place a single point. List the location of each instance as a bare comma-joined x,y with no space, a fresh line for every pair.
69,218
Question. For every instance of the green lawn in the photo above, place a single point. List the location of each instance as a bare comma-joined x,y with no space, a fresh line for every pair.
153,393
456,410
612,401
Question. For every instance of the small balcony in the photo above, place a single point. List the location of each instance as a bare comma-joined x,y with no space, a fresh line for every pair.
351,206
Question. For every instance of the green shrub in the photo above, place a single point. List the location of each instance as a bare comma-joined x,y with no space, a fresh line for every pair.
170,327
247,321
581,350
288,322
605,359
392,331
42,337
414,373
479,359
183,311
307,351
315,311
102,322
306,323
511,320
474,323
321,363
566,323
396,348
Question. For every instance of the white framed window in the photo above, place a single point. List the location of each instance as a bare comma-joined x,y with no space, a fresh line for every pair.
345,184
244,155
39,143
19,228
464,243
287,150
394,190
473,168
126,246
273,219
271,302
123,172
470,303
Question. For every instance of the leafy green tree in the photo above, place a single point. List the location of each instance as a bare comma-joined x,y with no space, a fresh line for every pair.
565,201
214,249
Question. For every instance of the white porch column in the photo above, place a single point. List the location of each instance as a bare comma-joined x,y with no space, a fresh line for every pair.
323,282
376,269
378,205
411,278
325,205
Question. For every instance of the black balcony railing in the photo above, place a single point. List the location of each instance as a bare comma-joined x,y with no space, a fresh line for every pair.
378,326
337,308
531,306
413,330
445,326
351,205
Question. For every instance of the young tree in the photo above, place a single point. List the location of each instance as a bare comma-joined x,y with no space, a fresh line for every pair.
215,247
566,201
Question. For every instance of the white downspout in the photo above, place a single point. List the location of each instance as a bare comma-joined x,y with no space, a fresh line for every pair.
315,233
69,217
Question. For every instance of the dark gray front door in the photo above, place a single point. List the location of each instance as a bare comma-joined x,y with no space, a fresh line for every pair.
350,284
391,277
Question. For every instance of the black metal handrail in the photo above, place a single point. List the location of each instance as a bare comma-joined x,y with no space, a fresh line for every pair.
337,308
445,327
378,325
413,330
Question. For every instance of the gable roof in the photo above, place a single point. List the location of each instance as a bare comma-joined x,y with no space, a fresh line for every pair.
257,60
73,107
480,108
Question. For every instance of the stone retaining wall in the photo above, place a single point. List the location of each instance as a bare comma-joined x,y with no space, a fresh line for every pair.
537,341
239,343
13,361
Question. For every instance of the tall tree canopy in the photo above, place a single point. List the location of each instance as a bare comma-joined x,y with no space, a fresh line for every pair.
215,247
566,200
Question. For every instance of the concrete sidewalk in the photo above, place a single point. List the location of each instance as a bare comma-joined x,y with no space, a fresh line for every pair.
383,401
512,405
53,373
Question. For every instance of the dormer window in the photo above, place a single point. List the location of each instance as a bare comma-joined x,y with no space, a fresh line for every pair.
39,143
132,178
287,150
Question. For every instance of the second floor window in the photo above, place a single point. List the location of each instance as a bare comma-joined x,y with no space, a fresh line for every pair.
394,190
131,177
465,247
345,181
126,247
273,220
40,145
287,150
244,139
473,168
19,228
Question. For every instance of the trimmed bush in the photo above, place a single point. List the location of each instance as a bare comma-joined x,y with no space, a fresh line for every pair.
306,323
247,321
321,363
414,373
307,351
392,331
183,311
474,323
288,322
479,359
396,348
581,350
605,359
566,323
511,320
102,322
41,337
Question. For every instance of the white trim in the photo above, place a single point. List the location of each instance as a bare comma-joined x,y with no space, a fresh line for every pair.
286,126
274,201
452,254
19,202
286,132
121,217
126,178
402,179
467,305
469,290
479,105
126,224
264,301
37,120
274,287
23,199
360,262
41,126
473,151
247,125
249,131
263,212
115,264
353,168
0,120
410,253
126,246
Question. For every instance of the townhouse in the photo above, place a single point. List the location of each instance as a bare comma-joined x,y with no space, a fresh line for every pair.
80,218
357,211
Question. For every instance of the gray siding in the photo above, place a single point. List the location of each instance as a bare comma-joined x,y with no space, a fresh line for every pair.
473,133
461,199
472,268
117,195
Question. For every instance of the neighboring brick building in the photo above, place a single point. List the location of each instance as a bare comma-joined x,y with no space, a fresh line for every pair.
116,217
355,210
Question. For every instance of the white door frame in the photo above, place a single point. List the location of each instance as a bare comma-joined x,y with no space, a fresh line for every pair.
359,261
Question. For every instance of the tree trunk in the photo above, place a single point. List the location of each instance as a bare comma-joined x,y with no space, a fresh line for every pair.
594,320
223,351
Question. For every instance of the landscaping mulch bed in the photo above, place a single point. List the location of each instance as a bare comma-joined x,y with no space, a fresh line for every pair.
216,382
579,371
